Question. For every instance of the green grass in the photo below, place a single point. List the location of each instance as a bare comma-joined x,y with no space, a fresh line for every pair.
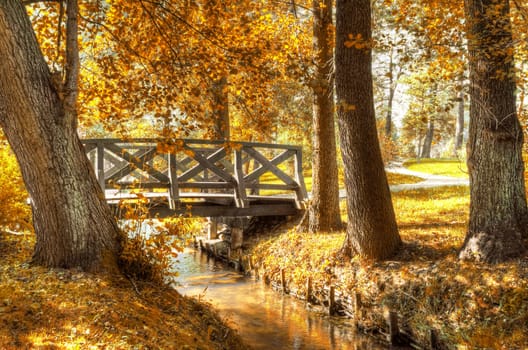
444,167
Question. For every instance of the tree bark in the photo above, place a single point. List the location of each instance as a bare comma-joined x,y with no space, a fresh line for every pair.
324,208
498,212
372,231
73,224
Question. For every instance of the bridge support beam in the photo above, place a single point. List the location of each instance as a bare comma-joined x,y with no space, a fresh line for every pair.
237,237
212,228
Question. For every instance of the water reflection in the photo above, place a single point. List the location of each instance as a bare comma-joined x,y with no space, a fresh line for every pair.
265,319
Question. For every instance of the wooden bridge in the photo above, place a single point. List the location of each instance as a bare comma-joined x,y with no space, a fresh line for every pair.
198,177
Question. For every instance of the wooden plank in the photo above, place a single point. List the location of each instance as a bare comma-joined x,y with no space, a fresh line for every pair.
184,141
219,210
122,164
130,185
206,185
204,162
263,168
206,196
173,178
279,187
118,194
240,189
275,198
135,163
207,164
302,194
113,196
267,165
99,169
88,147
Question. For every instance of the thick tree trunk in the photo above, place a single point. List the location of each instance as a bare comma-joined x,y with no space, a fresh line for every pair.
324,209
73,225
428,140
498,210
372,231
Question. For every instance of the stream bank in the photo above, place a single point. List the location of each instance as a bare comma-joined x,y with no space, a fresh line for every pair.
437,301
264,318
423,297
43,308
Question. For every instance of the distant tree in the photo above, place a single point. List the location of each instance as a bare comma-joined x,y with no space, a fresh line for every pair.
371,231
394,49
324,208
498,216
38,113
429,119
433,31
460,118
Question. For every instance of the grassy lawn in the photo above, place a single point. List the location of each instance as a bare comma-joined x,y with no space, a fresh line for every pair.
444,167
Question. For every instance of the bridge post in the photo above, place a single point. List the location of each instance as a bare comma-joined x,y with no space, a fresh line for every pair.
301,192
99,168
173,178
239,176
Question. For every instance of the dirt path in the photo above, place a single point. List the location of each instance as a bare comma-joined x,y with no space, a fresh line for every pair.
429,181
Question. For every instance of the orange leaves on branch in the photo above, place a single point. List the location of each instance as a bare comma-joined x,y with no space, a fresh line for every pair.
358,42
346,107
15,213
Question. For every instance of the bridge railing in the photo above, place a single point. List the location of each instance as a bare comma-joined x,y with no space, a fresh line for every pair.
199,169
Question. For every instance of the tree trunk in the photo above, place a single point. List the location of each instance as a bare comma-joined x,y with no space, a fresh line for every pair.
73,224
324,209
498,211
218,91
220,109
428,140
372,231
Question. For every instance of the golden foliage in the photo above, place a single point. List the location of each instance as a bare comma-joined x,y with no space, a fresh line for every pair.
15,213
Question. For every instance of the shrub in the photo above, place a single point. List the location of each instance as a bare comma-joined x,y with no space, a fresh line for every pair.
152,245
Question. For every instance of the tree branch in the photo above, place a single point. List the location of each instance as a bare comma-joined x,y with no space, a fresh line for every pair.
59,31
72,61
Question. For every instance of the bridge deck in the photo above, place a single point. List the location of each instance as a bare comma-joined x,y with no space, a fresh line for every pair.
200,178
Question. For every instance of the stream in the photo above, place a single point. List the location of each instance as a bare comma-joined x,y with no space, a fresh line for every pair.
264,318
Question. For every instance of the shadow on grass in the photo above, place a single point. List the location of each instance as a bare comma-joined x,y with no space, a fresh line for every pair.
432,225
